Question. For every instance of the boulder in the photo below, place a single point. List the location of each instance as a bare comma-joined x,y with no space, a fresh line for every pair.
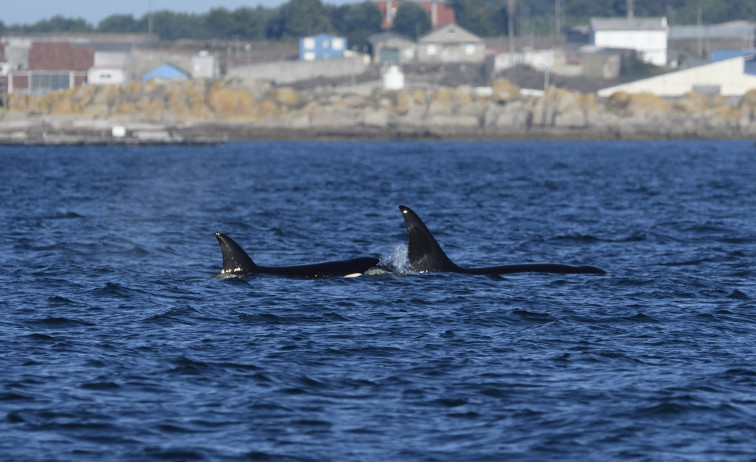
505,91
287,96
65,106
645,104
228,103
403,101
691,103
442,102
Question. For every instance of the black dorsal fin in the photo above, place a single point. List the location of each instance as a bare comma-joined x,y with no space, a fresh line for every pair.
424,253
236,262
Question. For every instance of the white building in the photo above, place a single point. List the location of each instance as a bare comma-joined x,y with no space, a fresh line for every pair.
647,36
203,66
729,77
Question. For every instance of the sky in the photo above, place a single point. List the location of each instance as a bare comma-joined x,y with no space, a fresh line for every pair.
93,11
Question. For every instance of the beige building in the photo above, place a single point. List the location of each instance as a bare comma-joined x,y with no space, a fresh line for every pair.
450,44
392,48
729,77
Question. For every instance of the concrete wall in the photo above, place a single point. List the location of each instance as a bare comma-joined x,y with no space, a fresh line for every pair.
285,72
560,62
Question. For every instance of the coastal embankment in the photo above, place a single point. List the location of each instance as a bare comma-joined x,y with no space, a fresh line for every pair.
197,111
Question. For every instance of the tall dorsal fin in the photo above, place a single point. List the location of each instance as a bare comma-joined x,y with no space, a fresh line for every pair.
236,262
424,253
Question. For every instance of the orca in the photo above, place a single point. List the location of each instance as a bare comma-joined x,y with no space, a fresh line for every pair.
236,263
426,256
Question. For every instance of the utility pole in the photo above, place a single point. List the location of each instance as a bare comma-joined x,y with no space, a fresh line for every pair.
510,25
699,22
149,18
630,9
557,19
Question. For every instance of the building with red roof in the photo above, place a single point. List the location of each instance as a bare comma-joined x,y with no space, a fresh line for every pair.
52,65
438,13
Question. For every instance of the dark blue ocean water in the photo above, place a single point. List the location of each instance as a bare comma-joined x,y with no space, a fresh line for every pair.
116,344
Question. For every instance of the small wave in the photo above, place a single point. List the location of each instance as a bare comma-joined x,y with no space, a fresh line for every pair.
738,295
100,385
61,322
42,337
640,317
173,454
558,165
114,289
138,251
740,372
188,366
664,409
637,236
182,315
451,402
263,318
10,396
60,301
66,215
577,238
533,316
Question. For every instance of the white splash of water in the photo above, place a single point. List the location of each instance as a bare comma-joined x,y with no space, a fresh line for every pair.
397,260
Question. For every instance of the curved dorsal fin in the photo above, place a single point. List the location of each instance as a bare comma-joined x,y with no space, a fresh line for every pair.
424,253
236,262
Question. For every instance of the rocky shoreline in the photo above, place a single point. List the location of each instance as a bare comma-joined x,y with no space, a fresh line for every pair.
195,111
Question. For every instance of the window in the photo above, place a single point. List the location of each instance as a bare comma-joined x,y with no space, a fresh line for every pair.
707,89
338,44
432,49
308,43
470,49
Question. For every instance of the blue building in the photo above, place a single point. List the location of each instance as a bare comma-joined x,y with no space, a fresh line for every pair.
322,46
166,71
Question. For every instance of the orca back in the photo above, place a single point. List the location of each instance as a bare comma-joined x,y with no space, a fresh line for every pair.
425,255
236,263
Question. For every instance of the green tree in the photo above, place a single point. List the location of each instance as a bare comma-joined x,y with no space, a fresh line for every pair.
299,18
120,23
251,23
337,16
220,23
411,20
357,22
715,11
486,18
173,26
59,23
